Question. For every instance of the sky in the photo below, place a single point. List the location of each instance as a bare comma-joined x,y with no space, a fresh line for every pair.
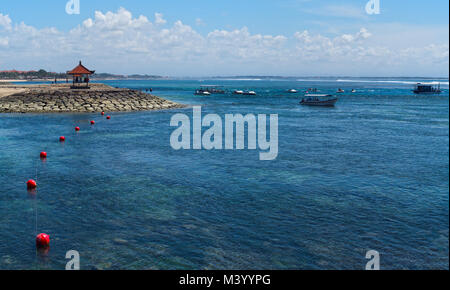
228,37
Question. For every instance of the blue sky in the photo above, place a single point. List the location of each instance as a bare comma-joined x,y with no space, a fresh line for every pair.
239,37
260,16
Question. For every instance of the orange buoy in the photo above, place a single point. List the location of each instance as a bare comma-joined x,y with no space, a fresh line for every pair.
103,113
108,117
42,240
77,128
31,184
43,155
62,139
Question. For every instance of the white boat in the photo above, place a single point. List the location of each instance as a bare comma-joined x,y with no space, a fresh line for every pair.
321,100
292,91
238,92
250,93
202,93
207,90
353,91
340,91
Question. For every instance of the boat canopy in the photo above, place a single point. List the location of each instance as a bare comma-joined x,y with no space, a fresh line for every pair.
429,83
317,95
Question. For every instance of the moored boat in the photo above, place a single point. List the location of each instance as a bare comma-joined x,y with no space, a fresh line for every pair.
318,100
427,88
292,91
201,92
207,90
249,93
238,92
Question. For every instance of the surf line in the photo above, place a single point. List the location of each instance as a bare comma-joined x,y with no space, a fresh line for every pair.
212,138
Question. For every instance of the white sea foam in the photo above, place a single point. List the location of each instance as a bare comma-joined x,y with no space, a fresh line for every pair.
395,82
238,79
314,80
445,83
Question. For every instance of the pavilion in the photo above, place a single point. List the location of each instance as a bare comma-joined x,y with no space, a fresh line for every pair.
80,76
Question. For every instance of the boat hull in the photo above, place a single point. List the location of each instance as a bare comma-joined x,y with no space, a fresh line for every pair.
426,93
324,103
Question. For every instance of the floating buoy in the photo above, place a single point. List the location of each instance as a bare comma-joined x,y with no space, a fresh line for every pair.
77,128
108,117
43,155
62,139
103,113
42,240
92,122
31,184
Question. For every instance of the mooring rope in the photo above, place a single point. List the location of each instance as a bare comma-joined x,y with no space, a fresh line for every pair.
35,201
36,213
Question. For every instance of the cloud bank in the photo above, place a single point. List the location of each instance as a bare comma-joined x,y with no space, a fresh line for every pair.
120,43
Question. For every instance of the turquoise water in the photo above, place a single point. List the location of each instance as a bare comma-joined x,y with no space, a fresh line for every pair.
369,174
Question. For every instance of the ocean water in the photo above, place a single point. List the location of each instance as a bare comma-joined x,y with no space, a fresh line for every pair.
370,174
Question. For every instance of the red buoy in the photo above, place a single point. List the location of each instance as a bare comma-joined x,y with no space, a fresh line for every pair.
43,155
103,113
31,184
42,240
92,122
62,139
108,117
77,128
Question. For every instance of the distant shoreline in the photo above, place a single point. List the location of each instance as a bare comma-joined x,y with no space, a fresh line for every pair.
63,81
250,77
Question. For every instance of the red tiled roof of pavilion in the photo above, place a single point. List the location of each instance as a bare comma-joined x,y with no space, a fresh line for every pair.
80,70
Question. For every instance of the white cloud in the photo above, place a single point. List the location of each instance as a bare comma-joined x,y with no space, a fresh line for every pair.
159,19
5,22
120,43
4,41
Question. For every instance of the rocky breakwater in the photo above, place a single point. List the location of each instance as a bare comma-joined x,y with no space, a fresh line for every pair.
60,99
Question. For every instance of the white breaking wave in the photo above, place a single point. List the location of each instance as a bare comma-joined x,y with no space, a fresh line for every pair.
237,79
394,82
314,80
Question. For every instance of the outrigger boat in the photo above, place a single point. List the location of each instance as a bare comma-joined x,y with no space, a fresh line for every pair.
201,92
317,100
209,89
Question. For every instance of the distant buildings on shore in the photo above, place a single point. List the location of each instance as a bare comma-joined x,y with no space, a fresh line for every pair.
30,75
18,71
41,74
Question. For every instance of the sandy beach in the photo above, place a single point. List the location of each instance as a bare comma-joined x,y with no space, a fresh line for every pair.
12,81
7,91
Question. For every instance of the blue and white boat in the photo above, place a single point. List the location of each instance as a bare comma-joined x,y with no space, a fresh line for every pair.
321,100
